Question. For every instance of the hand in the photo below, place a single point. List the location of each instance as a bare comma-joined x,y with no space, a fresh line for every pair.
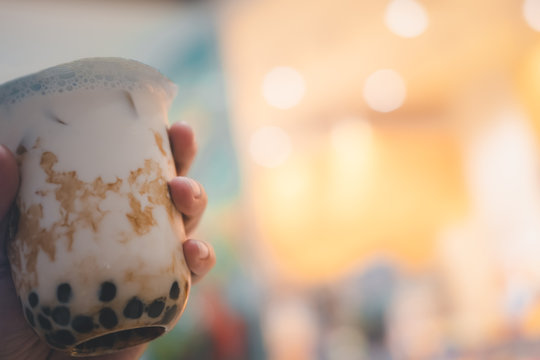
17,339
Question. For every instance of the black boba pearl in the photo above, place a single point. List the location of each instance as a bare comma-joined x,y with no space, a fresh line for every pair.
107,318
107,292
62,337
82,324
44,322
46,310
175,291
134,308
63,292
61,315
169,314
155,308
33,299
30,316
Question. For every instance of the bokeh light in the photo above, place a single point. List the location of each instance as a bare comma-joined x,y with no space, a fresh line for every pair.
283,87
531,12
270,146
384,90
352,140
349,132
406,18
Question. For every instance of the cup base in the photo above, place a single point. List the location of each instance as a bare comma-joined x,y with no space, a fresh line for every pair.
117,340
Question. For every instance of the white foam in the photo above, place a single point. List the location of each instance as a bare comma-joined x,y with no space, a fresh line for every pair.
88,74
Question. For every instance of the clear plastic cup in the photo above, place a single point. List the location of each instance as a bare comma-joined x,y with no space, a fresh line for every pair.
96,243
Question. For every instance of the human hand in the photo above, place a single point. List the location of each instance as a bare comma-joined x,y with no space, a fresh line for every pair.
17,339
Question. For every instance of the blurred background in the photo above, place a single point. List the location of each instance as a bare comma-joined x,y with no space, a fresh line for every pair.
372,166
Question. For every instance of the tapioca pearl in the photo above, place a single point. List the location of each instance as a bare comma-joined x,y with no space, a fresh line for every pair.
44,323
30,316
134,308
46,310
63,292
156,308
107,291
62,337
82,324
174,292
33,299
107,318
61,315
169,314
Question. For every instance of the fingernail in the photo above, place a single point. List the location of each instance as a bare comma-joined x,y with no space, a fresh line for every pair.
203,250
4,149
195,188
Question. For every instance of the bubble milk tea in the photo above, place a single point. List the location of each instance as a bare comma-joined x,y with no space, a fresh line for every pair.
95,241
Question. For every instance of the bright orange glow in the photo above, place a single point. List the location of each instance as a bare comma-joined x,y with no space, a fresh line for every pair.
529,85
320,218
531,322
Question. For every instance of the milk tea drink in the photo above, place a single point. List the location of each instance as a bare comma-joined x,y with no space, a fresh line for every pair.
95,242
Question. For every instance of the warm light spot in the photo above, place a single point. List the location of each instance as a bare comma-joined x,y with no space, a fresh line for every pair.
384,90
291,184
270,146
351,134
531,12
351,168
501,169
283,87
406,18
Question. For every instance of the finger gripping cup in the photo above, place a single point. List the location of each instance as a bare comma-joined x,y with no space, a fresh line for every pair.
96,252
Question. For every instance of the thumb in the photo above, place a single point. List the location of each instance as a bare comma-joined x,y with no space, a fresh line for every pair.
9,180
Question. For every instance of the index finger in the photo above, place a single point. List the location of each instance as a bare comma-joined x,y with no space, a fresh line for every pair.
183,146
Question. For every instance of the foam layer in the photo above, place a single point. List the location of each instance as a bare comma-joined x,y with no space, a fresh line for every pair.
89,74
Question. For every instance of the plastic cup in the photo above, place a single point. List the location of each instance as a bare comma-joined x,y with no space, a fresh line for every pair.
95,241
